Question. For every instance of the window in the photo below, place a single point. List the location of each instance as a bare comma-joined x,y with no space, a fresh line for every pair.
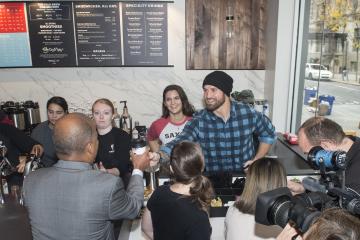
331,83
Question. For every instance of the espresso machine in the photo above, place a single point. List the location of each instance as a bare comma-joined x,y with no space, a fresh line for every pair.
6,169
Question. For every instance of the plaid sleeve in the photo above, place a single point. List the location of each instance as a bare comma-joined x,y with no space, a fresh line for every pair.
264,129
189,133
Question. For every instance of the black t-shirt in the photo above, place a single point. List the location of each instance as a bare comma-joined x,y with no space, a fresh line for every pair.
16,142
352,171
176,217
114,150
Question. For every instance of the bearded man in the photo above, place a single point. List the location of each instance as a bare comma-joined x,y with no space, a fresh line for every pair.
224,129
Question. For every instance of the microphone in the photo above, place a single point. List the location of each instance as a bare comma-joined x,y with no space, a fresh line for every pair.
313,185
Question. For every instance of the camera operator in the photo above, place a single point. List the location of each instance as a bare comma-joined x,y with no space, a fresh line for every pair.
333,223
320,131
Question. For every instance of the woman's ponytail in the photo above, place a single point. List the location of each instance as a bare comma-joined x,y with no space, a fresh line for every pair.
202,191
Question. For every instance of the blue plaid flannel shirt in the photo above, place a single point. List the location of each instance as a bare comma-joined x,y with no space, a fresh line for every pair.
226,145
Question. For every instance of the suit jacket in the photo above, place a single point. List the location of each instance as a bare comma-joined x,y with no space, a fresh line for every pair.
71,201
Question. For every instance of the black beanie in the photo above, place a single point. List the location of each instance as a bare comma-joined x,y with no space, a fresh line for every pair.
221,80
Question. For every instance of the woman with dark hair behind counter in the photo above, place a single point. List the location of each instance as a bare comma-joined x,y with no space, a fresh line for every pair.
176,112
180,211
17,143
57,107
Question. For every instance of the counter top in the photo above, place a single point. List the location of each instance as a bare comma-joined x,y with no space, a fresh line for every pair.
291,156
14,222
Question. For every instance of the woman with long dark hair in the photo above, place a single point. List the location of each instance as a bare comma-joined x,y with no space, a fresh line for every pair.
176,112
180,210
57,107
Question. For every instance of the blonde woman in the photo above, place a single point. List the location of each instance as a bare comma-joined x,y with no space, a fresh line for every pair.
263,175
114,144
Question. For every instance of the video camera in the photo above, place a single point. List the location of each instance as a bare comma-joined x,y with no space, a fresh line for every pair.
278,207
318,158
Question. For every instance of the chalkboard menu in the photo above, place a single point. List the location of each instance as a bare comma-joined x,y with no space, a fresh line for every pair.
145,33
51,34
80,33
97,26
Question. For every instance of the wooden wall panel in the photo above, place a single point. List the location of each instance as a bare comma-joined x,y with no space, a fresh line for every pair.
207,46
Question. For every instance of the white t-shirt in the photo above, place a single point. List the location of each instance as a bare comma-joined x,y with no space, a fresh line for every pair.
165,130
240,225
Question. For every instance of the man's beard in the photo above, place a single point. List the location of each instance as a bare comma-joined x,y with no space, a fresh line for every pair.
214,106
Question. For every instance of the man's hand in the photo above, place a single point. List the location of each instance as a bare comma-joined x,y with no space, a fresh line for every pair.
295,188
247,165
142,161
21,166
288,233
113,171
154,158
37,150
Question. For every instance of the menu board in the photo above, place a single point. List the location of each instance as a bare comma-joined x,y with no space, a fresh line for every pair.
51,34
83,33
98,37
145,33
14,40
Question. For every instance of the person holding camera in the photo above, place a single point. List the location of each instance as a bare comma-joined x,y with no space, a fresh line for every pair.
323,132
332,224
263,175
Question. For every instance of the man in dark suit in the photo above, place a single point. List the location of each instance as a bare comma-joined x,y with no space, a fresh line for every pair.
70,200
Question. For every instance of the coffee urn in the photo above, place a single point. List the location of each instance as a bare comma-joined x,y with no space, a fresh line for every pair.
17,115
32,114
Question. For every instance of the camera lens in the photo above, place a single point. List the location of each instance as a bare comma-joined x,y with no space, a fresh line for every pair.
279,211
318,157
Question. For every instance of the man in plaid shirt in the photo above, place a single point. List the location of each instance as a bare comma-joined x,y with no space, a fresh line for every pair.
225,129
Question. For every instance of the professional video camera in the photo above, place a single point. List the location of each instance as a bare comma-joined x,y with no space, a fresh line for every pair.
278,207
330,183
318,158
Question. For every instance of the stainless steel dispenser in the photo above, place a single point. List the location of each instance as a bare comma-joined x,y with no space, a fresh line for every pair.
16,113
32,114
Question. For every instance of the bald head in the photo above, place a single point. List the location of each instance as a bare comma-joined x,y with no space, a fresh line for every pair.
72,135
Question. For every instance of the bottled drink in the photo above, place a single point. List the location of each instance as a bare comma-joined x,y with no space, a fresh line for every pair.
125,120
117,118
135,131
